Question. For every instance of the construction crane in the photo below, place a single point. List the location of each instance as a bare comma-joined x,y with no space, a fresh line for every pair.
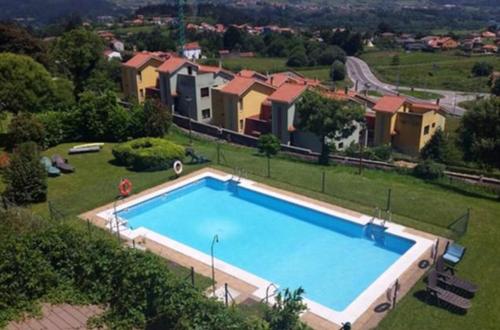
180,18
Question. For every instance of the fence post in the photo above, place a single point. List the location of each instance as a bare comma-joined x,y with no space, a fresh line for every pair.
323,175
389,200
395,296
225,294
192,276
467,222
218,152
89,229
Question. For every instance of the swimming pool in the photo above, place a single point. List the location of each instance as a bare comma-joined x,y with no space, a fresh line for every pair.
334,257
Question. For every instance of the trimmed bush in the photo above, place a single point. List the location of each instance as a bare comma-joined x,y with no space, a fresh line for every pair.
148,154
428,170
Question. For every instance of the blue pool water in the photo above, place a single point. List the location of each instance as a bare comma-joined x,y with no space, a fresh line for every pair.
334,260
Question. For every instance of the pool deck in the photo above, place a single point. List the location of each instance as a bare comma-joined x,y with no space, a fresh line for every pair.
369,319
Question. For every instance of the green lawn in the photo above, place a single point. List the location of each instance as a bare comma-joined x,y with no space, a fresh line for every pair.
426,206
439,70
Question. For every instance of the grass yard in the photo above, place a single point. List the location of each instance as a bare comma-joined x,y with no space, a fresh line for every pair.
426,206
439,70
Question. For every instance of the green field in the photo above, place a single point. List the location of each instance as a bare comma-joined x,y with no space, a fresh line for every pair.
440,70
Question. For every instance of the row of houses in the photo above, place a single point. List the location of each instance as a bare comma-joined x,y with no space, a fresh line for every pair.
252,103
254,30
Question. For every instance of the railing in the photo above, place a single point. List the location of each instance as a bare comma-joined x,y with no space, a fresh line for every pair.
227,296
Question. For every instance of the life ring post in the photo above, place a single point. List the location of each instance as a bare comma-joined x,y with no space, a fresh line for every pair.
177,167
125,187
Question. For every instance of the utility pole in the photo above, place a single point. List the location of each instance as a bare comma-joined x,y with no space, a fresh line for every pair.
182,35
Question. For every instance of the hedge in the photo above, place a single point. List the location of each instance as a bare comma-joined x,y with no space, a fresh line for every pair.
148,154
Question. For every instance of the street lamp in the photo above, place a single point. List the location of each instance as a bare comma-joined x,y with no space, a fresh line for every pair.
214,240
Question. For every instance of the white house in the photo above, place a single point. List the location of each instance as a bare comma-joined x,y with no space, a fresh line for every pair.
111,54
192,51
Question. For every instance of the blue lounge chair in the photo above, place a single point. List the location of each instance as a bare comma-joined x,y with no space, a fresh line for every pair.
51,170
453,253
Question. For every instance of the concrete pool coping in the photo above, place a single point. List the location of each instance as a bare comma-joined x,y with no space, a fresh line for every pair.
317,313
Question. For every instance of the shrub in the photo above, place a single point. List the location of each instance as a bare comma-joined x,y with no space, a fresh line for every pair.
428,170
25,127
25,177
4,160
59,127
148,154
383,152
482,69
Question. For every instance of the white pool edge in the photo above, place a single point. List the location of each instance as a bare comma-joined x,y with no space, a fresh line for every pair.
350,314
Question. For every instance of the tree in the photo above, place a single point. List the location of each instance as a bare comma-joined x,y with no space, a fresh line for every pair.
232,37
327,118
353,44
337,72
428,170
25,176
479,132
100,117
482,69
269,145
78,52
495,88
332,54
157,118
16,39
435,148
25,84
25,127
285,313
297,57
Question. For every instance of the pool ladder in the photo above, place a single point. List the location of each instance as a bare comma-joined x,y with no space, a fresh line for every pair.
238,173
378,215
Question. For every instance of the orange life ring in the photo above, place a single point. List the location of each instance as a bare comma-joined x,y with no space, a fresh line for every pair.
125,187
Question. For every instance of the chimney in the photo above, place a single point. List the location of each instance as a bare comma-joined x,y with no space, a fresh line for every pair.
437,101
346,90
220,64
272,80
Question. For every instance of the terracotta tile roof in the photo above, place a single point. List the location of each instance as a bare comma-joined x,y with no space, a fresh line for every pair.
252,74
141,59
287,93
213,69
173,64
426,106
389,103
192,45
240,85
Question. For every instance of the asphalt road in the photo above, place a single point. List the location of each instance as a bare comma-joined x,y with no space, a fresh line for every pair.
359,71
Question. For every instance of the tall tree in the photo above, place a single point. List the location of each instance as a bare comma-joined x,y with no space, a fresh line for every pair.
328,119
435,148
232,37
337,72
158,118
78,52
25,84
479,133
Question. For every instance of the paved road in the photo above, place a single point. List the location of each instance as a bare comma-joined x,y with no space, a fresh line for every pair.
359,71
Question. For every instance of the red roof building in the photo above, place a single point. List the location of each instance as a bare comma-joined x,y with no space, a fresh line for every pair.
287,93
388,103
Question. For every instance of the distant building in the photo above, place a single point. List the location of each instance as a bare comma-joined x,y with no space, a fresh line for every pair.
192,51
117,45
488,35
112,54
405,125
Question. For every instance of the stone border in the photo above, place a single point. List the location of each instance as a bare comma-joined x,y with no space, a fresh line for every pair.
358,312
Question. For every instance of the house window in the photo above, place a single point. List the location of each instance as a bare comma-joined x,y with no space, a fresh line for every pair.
340,146
433,125
240,104
190,70
205,113
205,92
426,130
141,91
241,123
139,76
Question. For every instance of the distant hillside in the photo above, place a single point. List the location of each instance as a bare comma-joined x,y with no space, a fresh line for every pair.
47,10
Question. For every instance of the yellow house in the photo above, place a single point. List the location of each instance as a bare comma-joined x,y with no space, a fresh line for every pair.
238,100
406,126
139,74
